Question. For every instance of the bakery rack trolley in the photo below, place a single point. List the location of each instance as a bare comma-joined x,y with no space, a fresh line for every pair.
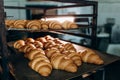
56,75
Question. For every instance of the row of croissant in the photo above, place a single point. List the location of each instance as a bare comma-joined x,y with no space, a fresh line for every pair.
40,24
47,53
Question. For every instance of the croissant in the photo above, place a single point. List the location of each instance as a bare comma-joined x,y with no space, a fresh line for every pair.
41,65
18,44
42,40
90,56
19,24
29,40
54,25
44,25
48,37
33,24
68,46
38,44
9,23
49,43
74,56
51,51
35,53
26,48
59,61
69,25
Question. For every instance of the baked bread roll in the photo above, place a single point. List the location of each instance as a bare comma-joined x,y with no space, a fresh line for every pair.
38,44
68,47
20,24
9,23
26,48
48,37
29,40
59,61
51,51
49,44
89,56
33,24
34,53
69,25
44,25
18,44
42,40
54,25
41,65
74,56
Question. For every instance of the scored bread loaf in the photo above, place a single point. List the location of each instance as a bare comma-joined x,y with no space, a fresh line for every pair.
89,56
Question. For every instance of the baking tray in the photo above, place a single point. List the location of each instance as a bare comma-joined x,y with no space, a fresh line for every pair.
24,72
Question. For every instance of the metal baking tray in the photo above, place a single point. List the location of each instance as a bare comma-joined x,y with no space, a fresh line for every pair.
24,72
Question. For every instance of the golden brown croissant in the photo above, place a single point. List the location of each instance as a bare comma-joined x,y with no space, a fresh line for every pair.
90,56
48,37
54,25
38,44
41,65
59,61
26,48
29,40
33,24
44,25
69,25
49,44
51,51
18,44
9,23
74,56
68,46
42,40
35,53
19,24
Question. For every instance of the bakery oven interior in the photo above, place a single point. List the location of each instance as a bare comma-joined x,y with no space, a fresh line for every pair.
86,33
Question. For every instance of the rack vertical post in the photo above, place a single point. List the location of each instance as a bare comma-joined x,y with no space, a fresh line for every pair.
3,46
